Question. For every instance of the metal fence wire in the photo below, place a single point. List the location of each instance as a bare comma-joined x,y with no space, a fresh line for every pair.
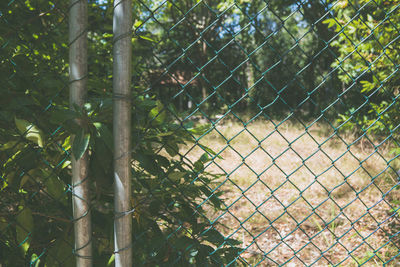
264,133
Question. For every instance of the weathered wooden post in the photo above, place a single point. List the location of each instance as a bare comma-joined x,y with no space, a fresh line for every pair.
122,49
78,22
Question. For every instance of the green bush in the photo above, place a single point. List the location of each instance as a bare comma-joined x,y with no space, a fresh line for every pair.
169,224
367,34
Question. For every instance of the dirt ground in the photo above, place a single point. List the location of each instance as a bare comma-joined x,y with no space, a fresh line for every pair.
301,195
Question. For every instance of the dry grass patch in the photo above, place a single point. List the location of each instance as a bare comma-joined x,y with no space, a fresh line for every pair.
301,197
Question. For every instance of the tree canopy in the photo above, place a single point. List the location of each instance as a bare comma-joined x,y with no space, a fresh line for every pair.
368,60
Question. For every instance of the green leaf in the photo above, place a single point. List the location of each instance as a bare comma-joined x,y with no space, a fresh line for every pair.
233,242
189,125
111,260
209,150
105,134
80,144
148,163
157,114
395,151
54,186
214,237
24,180
176,176
30,131
34,260
193,252
331,22
200,130
67,144
8,145
204,158
172,148
198,166
367,86
162,161
213,197
24,228
146,38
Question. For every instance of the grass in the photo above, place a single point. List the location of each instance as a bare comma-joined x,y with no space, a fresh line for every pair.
300,197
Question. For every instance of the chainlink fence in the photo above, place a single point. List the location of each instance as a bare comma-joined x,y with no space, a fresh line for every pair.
35,213
264,133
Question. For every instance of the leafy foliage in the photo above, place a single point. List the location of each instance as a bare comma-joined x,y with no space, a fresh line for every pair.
368,63
170,227
190,57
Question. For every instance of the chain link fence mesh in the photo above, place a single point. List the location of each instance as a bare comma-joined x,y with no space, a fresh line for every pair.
290,118
35,190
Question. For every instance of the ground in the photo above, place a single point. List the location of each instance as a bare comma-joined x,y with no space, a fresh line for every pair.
302,194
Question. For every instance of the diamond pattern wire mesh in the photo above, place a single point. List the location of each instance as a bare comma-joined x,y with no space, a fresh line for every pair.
35,189
266,81
302,205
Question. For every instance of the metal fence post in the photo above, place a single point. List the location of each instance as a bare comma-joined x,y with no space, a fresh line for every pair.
78,22
122,52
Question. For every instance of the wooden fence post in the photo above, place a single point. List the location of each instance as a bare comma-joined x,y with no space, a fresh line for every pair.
122,50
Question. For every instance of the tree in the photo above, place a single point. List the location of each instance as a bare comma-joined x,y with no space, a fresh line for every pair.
367,34
290,61
185,61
